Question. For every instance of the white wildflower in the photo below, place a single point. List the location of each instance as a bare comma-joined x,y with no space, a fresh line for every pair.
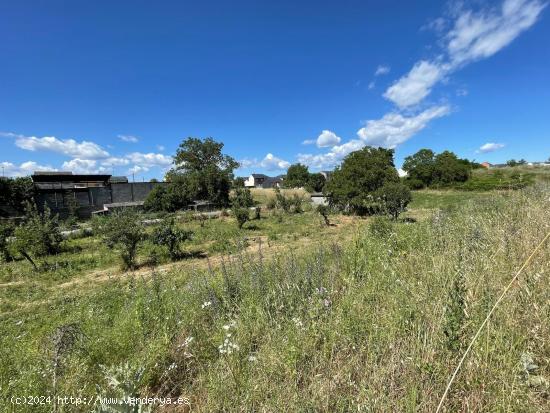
206,304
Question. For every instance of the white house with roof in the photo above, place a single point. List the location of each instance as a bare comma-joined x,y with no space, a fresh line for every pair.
263,181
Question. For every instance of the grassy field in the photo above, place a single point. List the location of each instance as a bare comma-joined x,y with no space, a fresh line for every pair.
291,315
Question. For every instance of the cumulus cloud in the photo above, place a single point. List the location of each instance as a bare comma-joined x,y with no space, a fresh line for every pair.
273,163
270,162
327,139
82,166
388,132
67,147
473,36
25,168
490,147
416,85
393,128
128,138
332,158
308,142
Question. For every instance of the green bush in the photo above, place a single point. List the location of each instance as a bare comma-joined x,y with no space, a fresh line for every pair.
123,231
380,227
394,197
170,236
241,215
38,236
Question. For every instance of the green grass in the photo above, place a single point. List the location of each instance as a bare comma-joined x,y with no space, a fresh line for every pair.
346,319
446,199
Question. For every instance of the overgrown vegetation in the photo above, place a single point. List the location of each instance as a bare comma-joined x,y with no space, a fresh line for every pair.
38,236
375,322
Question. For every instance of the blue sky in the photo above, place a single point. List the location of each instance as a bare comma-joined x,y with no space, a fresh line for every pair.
115,86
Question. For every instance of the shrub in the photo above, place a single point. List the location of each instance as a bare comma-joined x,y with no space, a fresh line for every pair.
257,212
380,227
241,215
297,201
395,197
168,198
170,236
281,201
242,198
123,231
38,236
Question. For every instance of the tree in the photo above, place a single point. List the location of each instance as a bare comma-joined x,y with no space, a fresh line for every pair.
297,176
353,184
395,197
38,236
203,170
122,231
170,236
17,192
316,182
450,169
420,167
241,201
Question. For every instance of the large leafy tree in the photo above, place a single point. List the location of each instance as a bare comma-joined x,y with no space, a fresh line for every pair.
420,167
353,185
297,176
449,169
202,171
16,192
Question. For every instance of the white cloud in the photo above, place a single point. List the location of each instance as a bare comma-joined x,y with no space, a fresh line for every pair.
393,129
272,163
402,173
480,35
474,36
160,148
128,138
332,158
412,88
25,168
68,147
81,166
382,70
149,159
490,147
371,85
308,142
327,139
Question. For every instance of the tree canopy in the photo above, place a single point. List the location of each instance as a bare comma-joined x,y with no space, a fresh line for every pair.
425,168
354,183
201,171
297,176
